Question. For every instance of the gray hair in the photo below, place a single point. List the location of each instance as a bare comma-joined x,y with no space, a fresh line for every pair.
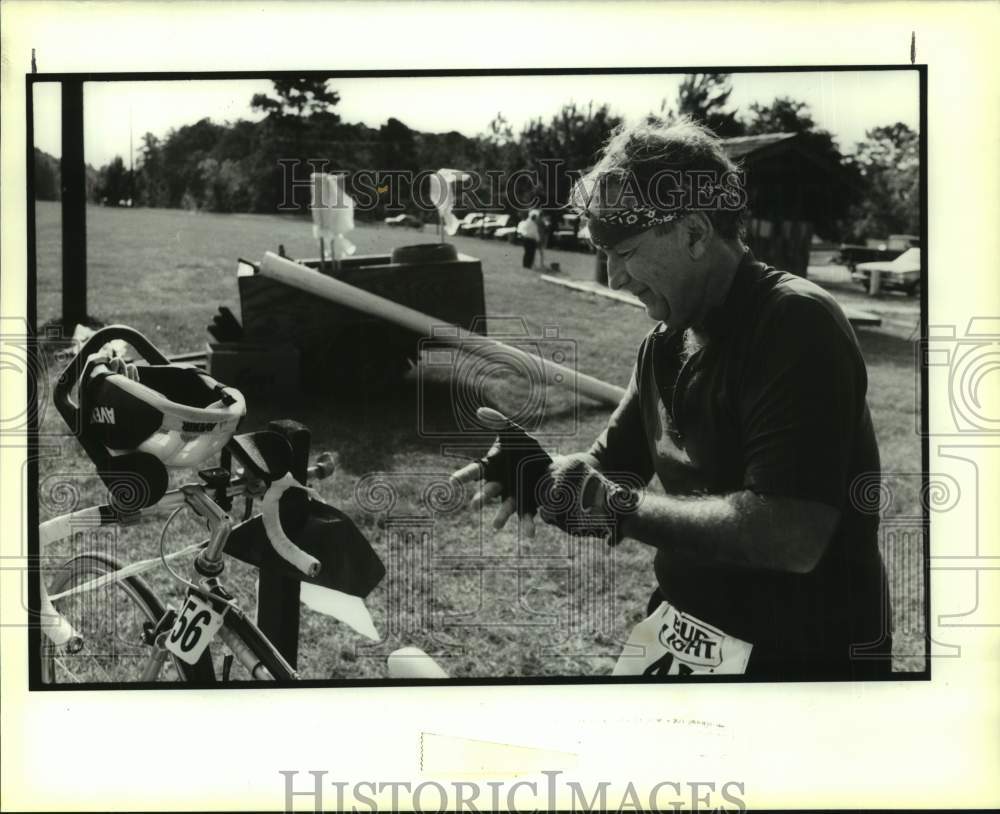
663,166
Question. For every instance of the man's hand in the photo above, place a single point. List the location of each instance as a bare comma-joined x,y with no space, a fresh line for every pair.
581,501
511,470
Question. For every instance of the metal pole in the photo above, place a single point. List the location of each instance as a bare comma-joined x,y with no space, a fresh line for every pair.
74,207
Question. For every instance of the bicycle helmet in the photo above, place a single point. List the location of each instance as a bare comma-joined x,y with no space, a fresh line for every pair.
176,413
135,421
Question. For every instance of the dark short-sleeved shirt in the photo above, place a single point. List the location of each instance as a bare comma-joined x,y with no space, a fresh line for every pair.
774,403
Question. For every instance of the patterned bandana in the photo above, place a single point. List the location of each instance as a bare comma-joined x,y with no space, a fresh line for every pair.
610,229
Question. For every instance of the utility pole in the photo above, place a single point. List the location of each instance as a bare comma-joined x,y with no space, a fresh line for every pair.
74,207
131,154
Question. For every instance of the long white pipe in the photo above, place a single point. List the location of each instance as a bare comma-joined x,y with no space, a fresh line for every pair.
306,279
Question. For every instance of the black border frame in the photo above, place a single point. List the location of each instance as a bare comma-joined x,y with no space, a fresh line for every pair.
34,632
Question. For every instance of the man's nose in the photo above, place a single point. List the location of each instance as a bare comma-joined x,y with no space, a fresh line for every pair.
617,274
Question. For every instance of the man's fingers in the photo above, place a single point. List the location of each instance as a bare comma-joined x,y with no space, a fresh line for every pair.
468,473
488,492
494,419
504,513
527,522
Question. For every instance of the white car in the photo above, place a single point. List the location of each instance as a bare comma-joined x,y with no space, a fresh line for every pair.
405,220
902,274
492,223
470,223
508,233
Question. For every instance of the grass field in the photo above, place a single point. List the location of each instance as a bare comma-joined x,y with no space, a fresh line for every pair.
487,604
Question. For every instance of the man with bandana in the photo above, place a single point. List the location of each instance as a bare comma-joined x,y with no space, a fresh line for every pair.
748,403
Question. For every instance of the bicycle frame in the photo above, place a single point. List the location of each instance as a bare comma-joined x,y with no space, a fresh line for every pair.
242,637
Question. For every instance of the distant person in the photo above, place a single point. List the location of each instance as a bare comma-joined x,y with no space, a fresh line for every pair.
530,232
544,228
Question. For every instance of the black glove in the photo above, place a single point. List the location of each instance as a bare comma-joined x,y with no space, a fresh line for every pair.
518,463
581,501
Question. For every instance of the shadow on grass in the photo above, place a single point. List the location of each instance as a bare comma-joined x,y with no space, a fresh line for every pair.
380,429
882,348
412,421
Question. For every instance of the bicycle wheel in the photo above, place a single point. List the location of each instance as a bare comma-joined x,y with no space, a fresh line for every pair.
110,619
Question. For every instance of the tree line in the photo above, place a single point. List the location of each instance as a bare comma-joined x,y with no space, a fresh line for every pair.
259,166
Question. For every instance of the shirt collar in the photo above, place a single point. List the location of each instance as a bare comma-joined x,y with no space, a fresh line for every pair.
723,318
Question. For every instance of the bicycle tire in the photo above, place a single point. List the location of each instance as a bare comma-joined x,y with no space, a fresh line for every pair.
110,620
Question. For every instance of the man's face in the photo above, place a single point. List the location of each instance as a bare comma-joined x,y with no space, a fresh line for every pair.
659,270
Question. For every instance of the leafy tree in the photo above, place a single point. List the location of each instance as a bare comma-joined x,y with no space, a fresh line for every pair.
151,181
47,177
296,97
115,182
497,151
299,126
889,162
783,115
560,150
704,97
183,152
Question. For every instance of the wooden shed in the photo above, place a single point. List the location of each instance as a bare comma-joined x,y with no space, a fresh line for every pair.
789,187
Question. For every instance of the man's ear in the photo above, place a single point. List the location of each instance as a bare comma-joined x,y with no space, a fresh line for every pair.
699,234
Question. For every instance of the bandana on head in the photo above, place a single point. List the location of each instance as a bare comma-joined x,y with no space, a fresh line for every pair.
611,228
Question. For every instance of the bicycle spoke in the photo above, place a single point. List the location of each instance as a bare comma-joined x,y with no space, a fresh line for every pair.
72,675
109,613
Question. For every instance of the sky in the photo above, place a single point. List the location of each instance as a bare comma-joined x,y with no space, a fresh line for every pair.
847,103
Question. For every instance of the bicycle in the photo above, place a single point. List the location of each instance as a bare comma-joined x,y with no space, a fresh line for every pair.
334,561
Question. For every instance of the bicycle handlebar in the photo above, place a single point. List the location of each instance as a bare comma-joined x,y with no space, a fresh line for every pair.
284,547
61,632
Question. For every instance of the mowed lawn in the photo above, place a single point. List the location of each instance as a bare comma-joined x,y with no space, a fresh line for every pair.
486,604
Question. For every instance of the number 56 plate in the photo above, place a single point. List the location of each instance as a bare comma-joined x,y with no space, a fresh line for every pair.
196,626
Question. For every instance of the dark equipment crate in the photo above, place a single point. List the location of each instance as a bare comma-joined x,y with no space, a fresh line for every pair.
341,348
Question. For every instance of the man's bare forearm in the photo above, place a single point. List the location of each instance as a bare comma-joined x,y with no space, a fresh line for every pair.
742,529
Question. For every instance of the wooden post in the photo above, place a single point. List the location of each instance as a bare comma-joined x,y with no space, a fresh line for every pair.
875,283
278,595
601,268
74,207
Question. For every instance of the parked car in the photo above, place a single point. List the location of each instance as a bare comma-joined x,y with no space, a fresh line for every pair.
875,250
508,233
470,223
405,220
564,234
900,274
491,223
572,233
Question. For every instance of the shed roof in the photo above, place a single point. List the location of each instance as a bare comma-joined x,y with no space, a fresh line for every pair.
744,145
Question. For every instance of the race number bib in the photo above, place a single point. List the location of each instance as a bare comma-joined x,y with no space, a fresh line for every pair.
670,643
196,626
